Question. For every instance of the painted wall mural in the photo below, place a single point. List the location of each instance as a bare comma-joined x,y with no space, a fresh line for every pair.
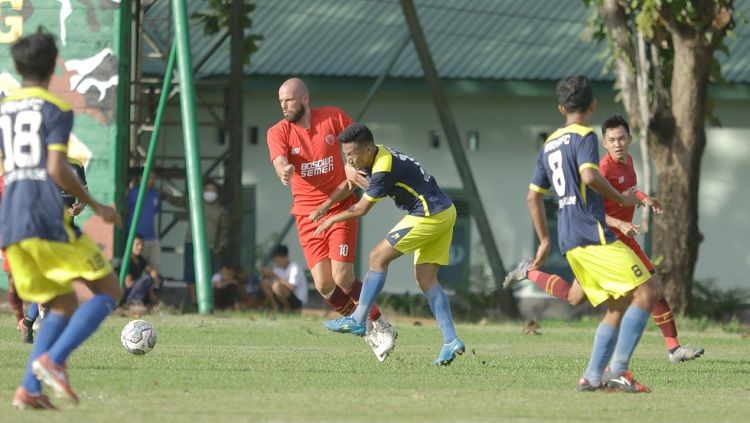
85,77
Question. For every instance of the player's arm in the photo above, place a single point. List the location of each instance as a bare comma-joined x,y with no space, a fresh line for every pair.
535,202
628,228
354,212
62,175
344,190
591,177
283,168
649,201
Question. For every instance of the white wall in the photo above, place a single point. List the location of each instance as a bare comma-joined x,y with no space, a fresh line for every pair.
502,167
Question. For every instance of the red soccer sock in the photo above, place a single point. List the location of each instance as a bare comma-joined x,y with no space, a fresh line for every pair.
663,317
341,302
551,284
353,293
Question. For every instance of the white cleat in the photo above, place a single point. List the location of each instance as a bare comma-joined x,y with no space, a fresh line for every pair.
517,274
386,335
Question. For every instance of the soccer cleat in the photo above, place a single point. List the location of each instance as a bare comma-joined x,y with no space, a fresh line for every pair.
683,353
54,376
346,324
584,385
23,400
27,334
382,338
449,352
518,274
624,381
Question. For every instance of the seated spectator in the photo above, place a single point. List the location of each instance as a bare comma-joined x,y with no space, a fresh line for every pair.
141,281
229,293
285,286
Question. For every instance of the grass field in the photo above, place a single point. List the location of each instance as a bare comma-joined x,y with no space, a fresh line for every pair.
249,368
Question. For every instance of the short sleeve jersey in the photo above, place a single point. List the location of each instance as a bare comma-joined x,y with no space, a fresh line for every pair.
580,215
402,178
77,167
32,122
315,154
622,177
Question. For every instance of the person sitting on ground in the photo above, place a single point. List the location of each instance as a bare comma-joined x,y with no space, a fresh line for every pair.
142,280
285,286
229,293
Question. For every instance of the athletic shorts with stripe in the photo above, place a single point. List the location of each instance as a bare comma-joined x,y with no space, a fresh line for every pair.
610,270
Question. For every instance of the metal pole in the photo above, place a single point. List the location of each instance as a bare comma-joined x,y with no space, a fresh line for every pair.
149,163
123,113
507,303
233,180
192,158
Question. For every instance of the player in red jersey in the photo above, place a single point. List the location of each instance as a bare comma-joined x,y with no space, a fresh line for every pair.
617,168
305,152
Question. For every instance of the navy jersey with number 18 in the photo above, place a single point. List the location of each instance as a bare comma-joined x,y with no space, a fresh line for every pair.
32,121
580,215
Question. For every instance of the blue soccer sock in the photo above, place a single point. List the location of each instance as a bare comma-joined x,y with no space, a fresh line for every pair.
33,312
605,339
631,329
82,324
52,326
371,287
441,308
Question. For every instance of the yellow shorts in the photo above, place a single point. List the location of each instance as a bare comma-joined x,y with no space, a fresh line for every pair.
611,270
43,269
429,237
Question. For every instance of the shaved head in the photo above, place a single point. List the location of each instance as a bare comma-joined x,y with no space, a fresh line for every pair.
294,98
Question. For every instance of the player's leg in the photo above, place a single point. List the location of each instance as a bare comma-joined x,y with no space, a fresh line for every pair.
426,274
380,257
662,314
316,252
605,339
31,284
188,269
79,260
551,284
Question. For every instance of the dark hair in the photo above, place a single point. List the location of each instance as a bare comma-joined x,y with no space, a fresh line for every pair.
229,266
575,93
138,236
211,182
356,132
35,55
280,250
615,121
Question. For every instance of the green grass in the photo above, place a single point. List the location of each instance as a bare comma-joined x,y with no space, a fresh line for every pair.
247,368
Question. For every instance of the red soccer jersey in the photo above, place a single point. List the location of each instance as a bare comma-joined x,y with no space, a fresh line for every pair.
622,177
315,154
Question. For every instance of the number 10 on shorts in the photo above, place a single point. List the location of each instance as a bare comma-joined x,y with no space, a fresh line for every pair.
344,250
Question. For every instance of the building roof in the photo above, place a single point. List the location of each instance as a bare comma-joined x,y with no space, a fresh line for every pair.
537,40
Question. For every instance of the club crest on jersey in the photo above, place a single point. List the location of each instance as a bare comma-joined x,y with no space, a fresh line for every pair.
330,139
295,150
621,179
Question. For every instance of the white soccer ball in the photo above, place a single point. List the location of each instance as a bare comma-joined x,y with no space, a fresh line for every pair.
138,337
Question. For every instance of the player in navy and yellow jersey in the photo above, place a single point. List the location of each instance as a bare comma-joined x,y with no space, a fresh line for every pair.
617,168
48,255
74,207
426,230
608,271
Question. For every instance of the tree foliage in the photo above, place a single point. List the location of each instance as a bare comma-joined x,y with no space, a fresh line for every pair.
216,18
664,55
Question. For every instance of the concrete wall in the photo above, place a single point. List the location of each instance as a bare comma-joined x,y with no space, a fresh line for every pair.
502,167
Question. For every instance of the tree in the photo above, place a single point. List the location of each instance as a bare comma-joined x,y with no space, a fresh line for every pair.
664,54
217,16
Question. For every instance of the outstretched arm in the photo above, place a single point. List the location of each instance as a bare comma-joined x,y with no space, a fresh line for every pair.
344,190
356,211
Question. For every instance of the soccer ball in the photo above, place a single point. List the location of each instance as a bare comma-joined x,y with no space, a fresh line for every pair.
138,337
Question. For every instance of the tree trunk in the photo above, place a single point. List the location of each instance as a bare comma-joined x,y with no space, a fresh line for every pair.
676,149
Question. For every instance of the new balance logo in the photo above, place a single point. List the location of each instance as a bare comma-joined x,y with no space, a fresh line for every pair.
396,236
621,380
